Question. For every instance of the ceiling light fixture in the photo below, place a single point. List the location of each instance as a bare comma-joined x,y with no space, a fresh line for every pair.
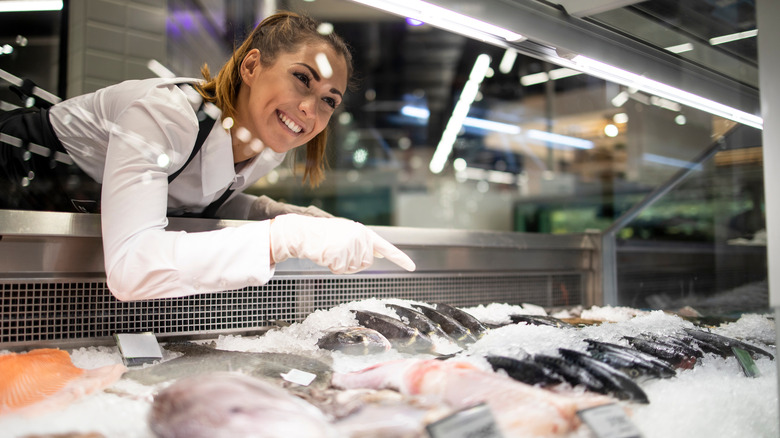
642,83
446,19
30,6
733,37
459,113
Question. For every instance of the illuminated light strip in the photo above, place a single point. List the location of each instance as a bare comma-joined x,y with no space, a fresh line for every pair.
668,161
564,140
680,48
30,6
507,61
444,18
534,78
467,96
554,75
488,125
623,77
160,70
733,37
36,90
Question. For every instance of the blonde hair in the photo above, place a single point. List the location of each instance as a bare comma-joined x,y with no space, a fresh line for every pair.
283,32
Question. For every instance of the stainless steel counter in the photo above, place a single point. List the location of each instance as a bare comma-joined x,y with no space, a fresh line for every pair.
53,281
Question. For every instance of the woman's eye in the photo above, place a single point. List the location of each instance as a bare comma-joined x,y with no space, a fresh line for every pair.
303,78
330,101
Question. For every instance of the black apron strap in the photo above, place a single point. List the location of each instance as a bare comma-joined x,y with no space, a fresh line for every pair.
205,123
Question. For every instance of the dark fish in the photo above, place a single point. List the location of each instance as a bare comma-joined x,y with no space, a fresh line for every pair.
233,405
401,336
354,341
685,344
722,344
525,370
631,361
540,320
664,351
417,320
453,328
615,382
474,325
199,359
571,372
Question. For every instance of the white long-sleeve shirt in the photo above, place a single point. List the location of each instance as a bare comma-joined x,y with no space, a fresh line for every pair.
130,137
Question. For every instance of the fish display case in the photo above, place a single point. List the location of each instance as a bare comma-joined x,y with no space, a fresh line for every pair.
54,286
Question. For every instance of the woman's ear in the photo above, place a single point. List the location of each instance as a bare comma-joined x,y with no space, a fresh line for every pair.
250,66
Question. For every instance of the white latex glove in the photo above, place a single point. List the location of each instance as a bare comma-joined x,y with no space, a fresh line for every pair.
266,208
342,245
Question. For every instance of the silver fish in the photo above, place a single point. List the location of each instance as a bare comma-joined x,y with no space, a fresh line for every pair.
228,405
200,359
354,341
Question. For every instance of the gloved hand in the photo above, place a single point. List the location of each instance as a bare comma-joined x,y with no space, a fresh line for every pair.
342,245
266,208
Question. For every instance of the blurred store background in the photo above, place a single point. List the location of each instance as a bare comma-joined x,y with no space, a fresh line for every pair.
544,148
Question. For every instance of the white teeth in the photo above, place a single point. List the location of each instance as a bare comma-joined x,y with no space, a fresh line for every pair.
290,124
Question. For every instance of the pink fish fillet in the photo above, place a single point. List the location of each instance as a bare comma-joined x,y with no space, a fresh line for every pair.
46,379
519,409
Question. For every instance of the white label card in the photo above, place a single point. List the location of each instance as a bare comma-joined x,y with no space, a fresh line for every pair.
302,378
473,422
609,421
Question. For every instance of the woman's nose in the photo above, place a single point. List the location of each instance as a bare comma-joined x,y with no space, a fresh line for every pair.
308,106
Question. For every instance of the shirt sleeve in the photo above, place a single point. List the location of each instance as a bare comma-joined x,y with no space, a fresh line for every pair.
143,260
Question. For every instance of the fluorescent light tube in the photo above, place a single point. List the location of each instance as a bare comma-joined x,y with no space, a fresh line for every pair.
30,6
733,37
623,77
446,19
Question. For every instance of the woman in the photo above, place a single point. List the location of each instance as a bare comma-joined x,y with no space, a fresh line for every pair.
277,92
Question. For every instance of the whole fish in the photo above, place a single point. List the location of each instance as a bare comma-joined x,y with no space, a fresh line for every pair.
632,362
683,343
453,328
401,336
228,405
540,320
474,325
201,359
354,341
615,382
525,370
571,372
517,408
418,320
720,344
664,351
45,379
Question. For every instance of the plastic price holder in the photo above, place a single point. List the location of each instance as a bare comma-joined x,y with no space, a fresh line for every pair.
474,422
138,348
609,421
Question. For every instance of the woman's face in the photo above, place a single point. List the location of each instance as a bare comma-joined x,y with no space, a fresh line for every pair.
289,102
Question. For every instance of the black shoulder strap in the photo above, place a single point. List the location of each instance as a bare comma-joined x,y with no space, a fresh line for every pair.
205,123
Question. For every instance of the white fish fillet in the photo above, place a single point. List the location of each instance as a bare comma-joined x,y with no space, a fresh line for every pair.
520,410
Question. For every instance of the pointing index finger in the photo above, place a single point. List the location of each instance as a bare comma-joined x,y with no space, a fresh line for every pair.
386,249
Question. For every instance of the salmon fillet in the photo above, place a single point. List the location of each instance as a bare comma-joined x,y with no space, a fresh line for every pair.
46,378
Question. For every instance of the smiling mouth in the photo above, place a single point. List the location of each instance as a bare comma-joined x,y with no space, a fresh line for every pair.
290,124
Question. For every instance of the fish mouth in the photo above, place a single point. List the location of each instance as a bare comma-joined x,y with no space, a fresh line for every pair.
289,123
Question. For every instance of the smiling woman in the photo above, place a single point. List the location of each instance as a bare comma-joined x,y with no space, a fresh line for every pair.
157,150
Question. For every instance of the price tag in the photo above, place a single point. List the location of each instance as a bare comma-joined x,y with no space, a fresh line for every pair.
138,348
302,378
746,362
609,421
473,422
